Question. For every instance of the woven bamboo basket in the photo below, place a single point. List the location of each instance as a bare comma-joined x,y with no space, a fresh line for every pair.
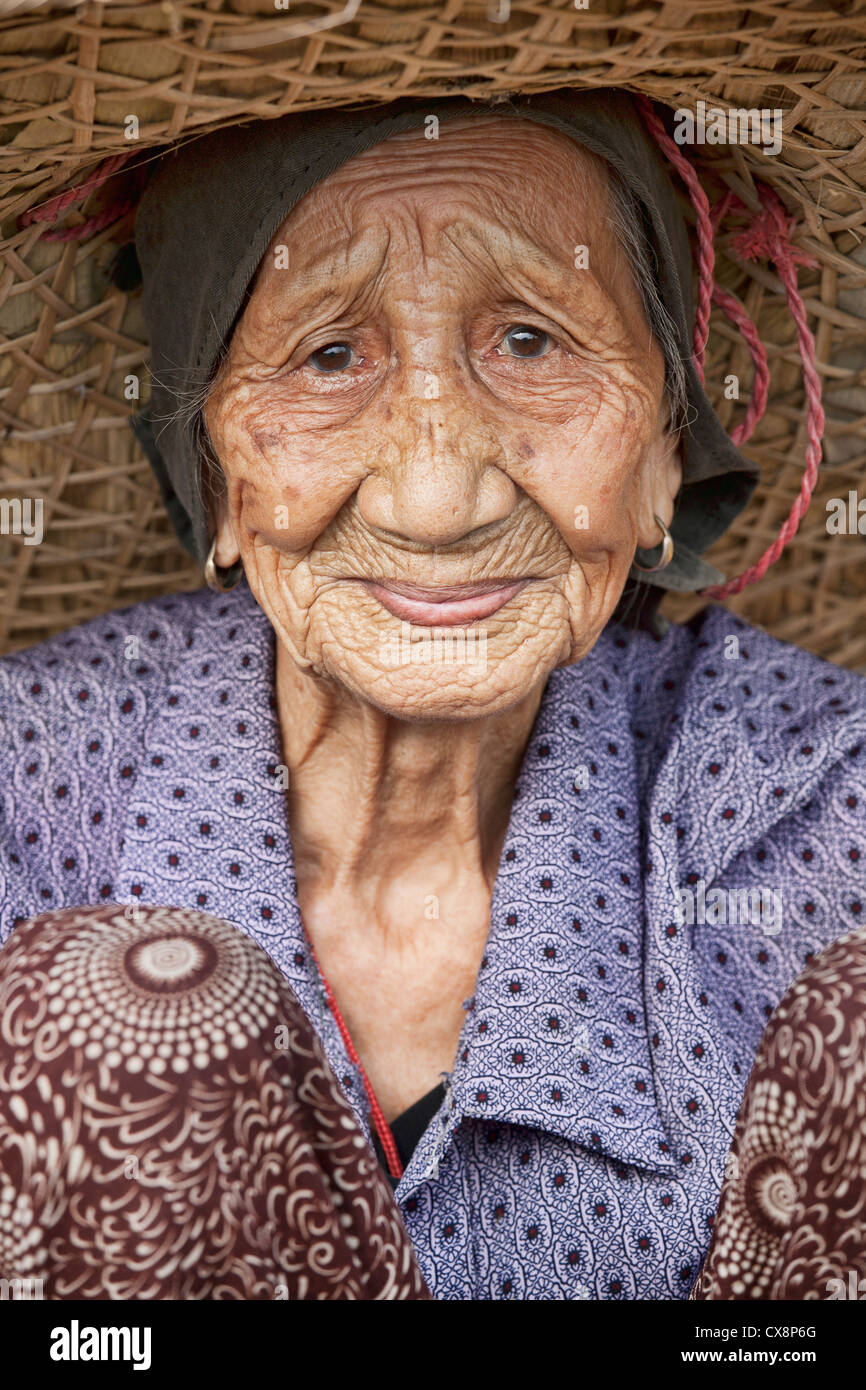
72,74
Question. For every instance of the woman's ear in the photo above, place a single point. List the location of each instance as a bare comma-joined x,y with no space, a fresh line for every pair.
227,552
661,480
215,487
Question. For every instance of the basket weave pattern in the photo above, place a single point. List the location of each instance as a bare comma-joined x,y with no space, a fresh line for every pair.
71,75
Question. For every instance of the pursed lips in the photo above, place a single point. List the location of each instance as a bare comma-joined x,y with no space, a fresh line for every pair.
444,605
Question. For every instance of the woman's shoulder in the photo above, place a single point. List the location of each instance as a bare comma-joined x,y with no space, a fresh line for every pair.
139,646
718,703
75,714
96,685
715,632
142,632
724,671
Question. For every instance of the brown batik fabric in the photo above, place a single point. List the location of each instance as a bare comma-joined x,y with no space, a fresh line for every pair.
792,1218
170,1127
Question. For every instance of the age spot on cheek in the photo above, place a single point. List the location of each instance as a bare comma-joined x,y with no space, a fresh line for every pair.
526,448
264,441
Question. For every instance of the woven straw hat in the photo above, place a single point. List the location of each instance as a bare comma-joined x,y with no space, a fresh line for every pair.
91,91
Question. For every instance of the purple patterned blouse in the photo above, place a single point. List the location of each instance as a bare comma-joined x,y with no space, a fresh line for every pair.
580,1147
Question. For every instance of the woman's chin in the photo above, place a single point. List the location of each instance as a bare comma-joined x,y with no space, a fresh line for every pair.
430,674
419,672
415,702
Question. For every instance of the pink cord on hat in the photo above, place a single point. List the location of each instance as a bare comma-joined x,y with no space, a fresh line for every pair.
736,314
768,235
56,207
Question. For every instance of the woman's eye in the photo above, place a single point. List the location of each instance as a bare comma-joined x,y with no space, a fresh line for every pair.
334,357
524,341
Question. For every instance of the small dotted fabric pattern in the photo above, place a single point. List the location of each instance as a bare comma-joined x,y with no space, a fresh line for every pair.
580,1148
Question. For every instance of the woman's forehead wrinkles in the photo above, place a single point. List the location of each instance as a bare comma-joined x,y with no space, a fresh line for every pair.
525,173
510,232
489,150
514,254
337,269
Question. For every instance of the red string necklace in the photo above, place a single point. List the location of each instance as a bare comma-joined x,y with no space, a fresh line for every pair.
380,1124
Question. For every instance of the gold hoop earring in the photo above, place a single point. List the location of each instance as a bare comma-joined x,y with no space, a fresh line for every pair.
213,576
667,550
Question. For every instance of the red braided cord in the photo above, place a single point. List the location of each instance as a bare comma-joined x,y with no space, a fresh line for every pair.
93,224
769,235
775,230
55,207
734,311
706,249
736,314
386,1138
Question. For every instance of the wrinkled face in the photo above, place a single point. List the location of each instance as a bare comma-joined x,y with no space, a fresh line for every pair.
441,420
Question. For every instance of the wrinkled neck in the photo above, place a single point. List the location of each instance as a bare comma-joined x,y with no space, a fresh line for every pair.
372,796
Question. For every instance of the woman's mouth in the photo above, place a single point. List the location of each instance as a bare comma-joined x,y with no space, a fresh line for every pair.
444,605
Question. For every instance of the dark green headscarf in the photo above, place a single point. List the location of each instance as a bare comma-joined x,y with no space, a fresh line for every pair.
212,205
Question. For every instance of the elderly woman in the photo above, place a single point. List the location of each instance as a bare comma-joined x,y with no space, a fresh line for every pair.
536,869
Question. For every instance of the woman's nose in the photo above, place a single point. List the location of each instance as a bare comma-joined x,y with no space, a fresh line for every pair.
438,475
